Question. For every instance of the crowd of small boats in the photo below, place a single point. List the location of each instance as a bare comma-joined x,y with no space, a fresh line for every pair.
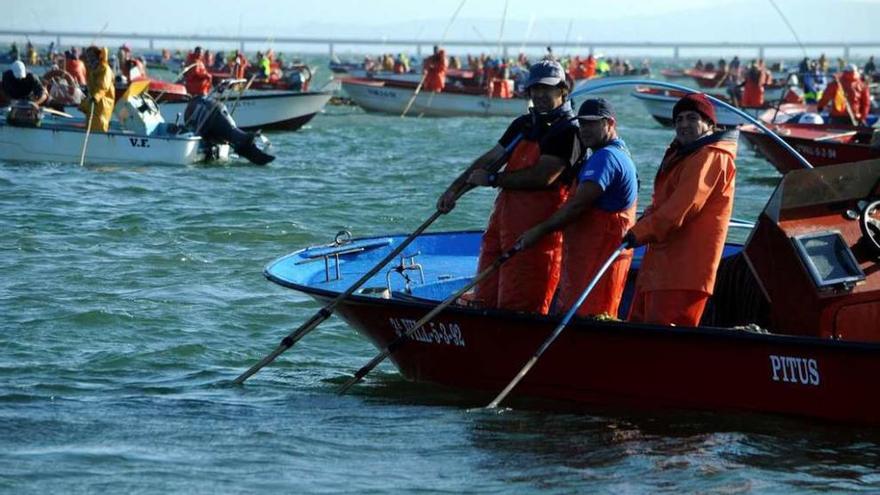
793,326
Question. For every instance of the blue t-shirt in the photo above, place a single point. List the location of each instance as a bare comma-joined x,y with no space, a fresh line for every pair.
613,170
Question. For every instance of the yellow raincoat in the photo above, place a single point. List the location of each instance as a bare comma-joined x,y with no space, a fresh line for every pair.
101,90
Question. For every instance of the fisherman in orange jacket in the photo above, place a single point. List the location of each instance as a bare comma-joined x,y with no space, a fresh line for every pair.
596,217
197,79
686,225
756,78
855,92
534,184
434,68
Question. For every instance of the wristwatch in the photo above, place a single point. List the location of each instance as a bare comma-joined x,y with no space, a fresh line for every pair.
493,179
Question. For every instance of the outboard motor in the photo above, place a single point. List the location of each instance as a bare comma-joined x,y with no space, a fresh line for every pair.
209,119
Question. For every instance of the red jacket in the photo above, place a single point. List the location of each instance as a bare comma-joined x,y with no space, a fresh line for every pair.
856,93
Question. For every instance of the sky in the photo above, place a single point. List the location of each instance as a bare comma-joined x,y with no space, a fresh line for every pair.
578,21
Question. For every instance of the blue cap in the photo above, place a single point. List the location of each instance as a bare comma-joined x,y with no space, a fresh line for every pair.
547,72
596,109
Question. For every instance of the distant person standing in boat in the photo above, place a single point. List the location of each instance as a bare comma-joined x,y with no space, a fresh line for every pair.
596,217
534,184
75,67
753,87
102,92
869,69
197,79
434,68
852,104
686,225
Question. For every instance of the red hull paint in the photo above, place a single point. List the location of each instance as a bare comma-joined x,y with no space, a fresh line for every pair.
621,364
803,138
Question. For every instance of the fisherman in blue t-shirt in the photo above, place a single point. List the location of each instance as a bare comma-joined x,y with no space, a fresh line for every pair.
595,219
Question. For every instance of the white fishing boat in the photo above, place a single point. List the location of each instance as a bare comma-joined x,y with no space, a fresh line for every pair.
393,96
56,140
138,135
659,103
264,109
256,109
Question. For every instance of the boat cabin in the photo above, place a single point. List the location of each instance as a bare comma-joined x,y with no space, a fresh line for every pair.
815,251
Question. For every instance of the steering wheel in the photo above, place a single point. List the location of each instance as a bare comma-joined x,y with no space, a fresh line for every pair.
870,225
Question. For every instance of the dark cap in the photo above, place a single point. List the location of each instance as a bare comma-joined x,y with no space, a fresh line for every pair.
596,109
547,72
696,102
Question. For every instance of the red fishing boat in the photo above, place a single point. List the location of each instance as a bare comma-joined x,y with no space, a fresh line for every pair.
823,144
808,275
659,102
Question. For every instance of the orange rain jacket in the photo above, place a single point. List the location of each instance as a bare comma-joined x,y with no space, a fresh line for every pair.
753,90
856,93
686,225
435,72
198,79
528,280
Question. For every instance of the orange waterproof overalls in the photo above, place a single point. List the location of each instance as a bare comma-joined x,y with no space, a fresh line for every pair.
528,280
685,228
588,243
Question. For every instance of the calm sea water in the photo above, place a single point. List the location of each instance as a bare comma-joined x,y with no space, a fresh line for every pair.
130,297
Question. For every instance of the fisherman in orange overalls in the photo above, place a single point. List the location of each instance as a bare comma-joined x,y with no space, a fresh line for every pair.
534,184
197,78
434,68
596,217
855,94
686,225
756,79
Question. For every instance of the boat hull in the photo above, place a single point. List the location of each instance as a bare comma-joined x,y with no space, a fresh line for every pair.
603,363
65,144
627,365
818,152
382,96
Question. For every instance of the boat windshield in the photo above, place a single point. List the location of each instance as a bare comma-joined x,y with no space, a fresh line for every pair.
824,185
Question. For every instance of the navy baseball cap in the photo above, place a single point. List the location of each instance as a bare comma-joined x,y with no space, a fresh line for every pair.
547,72
596,109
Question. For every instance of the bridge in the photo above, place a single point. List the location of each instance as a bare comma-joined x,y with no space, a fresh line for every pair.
331,44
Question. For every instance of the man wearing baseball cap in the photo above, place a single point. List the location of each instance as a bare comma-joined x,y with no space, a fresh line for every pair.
595,218
686,225
18,84
538,152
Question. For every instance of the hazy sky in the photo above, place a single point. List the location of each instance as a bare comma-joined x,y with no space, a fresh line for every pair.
576,20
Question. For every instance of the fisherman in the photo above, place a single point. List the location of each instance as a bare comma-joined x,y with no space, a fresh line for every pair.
19,84
534,184
434,68
686,225
753,87
102,92
192,56
596,217
869,69
74,66
850,106
197,79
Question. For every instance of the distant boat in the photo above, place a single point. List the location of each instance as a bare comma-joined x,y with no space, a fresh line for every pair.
821,145
659,103
389,96
57,140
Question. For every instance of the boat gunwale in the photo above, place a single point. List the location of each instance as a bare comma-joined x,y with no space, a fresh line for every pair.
579,324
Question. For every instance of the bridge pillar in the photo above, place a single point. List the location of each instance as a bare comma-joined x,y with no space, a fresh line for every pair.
151,44
761,53
676,53
332,52
241,46
846,52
